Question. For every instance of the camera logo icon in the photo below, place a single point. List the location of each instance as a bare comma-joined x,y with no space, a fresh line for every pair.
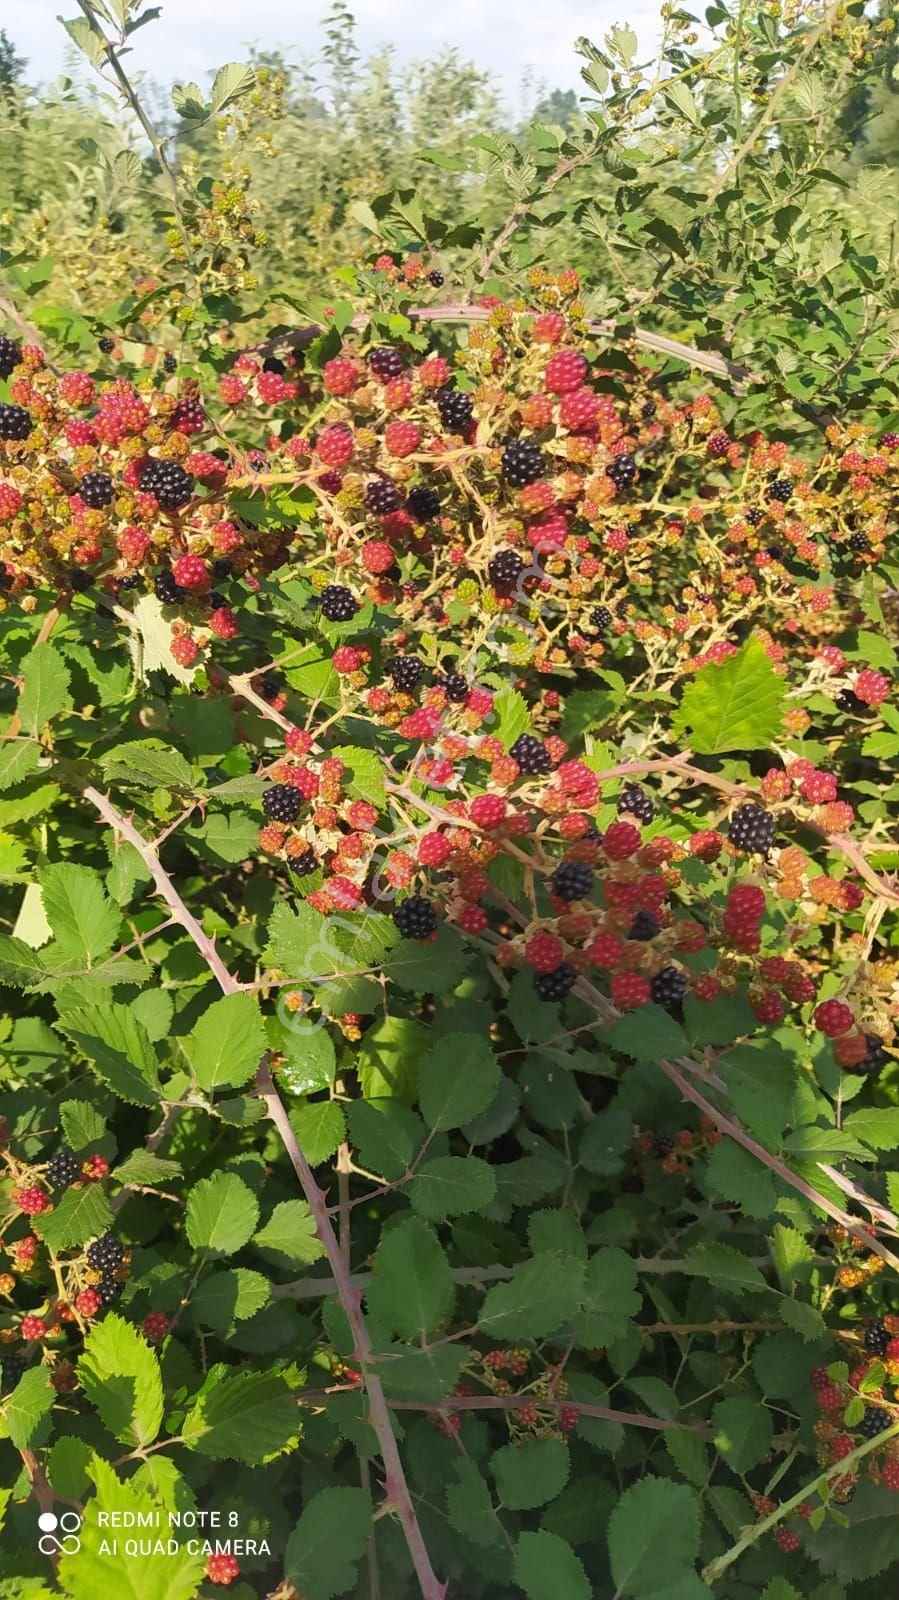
59,1534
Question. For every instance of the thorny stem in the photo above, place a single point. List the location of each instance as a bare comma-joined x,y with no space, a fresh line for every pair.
395,1481
512,1402
839,1469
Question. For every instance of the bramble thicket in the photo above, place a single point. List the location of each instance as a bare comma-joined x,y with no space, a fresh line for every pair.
449,746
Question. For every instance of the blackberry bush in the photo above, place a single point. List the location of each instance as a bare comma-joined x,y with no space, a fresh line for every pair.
447,1089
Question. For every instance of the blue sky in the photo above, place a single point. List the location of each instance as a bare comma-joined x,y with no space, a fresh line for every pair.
506,37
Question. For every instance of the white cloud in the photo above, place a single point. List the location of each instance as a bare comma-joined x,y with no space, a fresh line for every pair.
506,37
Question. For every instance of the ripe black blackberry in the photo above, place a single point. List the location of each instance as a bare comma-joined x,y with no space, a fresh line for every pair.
13,1368
436,279
63,1170
876,1057
386,363
221,568
416,917
215,598
407,673
282,802
876,1337
382,496
131,580
79,580
106,1253
601,618
662,1145
848,700
859,544
644,926
635,802
504,568
189,417
10,355
649,410
15,423
523,463
557,984
305,864
622,470
338,604
456,409
273,364
96,490
169,363
780,489
454,687
874,1421
752,828
423,503
109,1289
168,482
531,754
668,987
106,346
572,880
269,686
754,516
166,589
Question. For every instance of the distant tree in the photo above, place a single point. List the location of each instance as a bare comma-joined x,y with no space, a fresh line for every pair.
561,106
12,66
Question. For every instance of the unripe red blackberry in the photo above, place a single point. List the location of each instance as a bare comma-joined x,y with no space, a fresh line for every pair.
15,423
717,444
335,446
222,1569
32,1200
558,983
621,840
415,917
189,572
189,417
522,463
564,371
833,1017
487,810
889,441
156,1326
629,990
337,603
282,803
752,828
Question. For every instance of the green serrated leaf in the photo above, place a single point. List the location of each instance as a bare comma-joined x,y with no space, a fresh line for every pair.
735,705
120,1375
222,1214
